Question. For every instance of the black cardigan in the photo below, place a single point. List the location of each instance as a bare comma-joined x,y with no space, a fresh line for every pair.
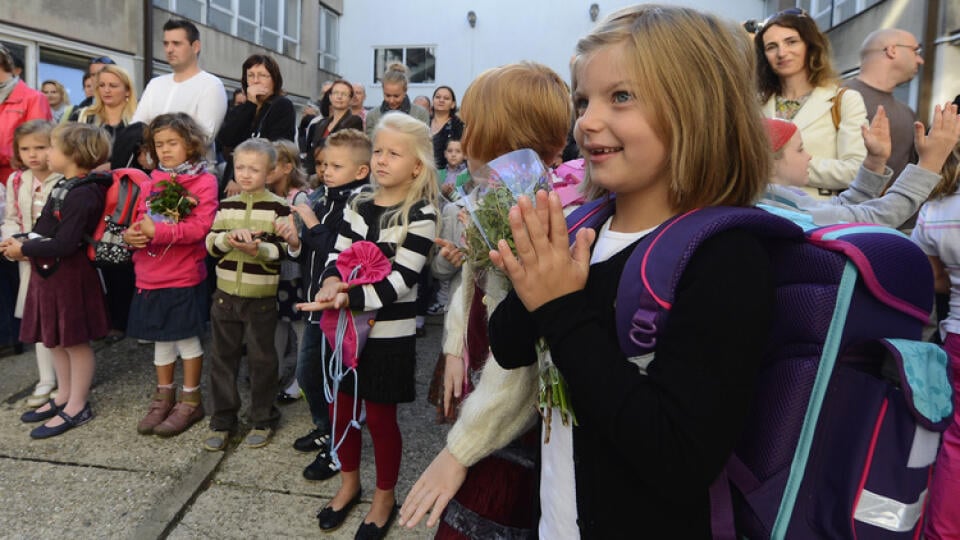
276,120
647,447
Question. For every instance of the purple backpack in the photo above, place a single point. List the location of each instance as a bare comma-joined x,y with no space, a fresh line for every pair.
849,406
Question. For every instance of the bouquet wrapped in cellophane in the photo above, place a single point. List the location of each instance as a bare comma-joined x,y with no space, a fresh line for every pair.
500,183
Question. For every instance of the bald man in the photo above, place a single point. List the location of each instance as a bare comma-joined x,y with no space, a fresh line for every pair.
888,58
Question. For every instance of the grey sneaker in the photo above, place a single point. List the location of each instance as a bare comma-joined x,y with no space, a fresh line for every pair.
258,437
216,441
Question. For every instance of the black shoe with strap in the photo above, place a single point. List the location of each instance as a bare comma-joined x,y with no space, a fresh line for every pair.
370,531
331,520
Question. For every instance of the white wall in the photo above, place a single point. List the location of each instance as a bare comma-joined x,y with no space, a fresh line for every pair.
507,31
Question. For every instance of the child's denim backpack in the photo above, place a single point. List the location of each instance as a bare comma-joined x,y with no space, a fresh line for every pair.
848,409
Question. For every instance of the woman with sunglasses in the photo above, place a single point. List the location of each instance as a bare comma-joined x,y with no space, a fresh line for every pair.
798,83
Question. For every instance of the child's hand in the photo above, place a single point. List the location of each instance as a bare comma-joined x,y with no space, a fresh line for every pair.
453,377
232,188
12,249
876,137
332,295
245,240
934,147
242,235
306,214
148,227
287,229
546,267
330,289
134,236
433,490
450,252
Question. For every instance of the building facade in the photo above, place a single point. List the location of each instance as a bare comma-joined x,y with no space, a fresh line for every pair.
57,39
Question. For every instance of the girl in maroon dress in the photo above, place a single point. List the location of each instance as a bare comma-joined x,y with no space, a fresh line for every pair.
64,307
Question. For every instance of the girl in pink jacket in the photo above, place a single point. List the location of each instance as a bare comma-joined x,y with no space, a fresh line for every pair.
169,304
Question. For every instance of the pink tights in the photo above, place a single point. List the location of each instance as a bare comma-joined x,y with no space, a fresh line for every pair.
943,519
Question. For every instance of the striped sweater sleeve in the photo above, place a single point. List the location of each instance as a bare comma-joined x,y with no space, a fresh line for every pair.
406,264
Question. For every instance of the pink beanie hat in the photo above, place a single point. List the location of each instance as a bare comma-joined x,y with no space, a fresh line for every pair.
779,132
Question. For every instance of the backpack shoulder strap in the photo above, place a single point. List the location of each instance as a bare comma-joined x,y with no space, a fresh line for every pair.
590,215
835,109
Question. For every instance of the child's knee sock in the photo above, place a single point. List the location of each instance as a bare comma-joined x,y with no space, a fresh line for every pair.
48,377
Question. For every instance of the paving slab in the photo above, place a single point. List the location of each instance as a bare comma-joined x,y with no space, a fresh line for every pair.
224,511
44,500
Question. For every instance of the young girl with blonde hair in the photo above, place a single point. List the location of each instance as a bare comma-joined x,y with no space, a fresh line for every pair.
27,192
399,215
648,439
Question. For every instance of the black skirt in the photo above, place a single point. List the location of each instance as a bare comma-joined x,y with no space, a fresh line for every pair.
168,314
386,371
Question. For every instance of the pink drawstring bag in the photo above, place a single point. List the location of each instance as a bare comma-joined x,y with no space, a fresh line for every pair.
347,329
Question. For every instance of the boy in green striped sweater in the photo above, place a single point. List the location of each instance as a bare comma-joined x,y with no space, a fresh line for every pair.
251,233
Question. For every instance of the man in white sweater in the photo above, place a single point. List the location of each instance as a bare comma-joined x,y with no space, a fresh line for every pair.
188,89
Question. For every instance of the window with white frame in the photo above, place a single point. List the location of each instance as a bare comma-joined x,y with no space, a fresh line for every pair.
328,42
420,61
275,24
830,13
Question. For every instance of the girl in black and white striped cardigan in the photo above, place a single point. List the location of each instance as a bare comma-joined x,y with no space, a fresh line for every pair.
399,215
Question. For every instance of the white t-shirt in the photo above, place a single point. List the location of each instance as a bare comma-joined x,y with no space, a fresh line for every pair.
558,487
201,96
938,234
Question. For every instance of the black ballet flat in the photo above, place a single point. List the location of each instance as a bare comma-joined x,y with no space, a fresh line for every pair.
370,531
331,520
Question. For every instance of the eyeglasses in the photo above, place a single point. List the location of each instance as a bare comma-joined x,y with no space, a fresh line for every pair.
102,60
917,49
258,76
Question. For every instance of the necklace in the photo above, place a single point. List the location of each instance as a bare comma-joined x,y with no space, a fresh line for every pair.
786,109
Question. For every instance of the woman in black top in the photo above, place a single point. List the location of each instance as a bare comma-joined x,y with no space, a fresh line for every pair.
335,115
444,123
266,113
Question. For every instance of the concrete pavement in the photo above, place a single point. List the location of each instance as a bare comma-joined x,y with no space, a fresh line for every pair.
104,480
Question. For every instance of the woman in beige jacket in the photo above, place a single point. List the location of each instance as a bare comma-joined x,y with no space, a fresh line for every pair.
798,83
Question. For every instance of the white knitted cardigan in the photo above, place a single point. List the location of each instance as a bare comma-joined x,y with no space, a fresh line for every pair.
502,406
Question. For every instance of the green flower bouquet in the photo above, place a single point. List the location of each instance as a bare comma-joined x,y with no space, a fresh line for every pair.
171,203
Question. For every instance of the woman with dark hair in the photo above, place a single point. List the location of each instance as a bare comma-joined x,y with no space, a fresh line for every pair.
334,115
444,123
798,83
266,114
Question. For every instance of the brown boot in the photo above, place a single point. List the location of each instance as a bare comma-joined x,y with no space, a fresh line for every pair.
186,413
159,408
